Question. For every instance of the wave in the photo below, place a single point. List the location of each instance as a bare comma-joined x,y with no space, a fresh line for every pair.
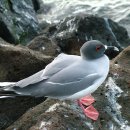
117,10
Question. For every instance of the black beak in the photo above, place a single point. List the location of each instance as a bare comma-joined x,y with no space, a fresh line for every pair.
111,51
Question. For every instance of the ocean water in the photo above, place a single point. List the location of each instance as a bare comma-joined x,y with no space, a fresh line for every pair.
117,10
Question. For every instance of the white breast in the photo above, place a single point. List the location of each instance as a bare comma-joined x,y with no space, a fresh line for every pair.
102,68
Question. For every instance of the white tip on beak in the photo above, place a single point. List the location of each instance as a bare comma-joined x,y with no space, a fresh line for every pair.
105,46
116,49
111,47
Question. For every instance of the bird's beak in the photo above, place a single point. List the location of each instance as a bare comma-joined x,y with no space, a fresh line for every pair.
111,48
105,47
111,51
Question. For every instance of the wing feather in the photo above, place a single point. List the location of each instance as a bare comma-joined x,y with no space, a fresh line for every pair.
58,64
57,90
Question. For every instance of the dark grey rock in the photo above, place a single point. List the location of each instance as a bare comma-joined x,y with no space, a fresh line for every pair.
18,21
51,115
18,62
44,44
71,32
36,5
13,108
44,8
112,52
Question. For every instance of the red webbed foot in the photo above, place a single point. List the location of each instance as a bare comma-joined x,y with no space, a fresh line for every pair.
88,109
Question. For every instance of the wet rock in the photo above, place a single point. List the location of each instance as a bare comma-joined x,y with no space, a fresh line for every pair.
19,62
73,31
36,5
13,108
44,45
123,59
44,27
43,9
51,115
18,21
121,70
2,41
40,7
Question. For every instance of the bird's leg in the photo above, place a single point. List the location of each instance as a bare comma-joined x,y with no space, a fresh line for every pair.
86,104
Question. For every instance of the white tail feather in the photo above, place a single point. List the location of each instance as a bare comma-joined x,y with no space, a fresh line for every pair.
6,97
3,84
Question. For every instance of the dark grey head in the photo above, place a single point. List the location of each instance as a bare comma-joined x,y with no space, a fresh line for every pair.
92,49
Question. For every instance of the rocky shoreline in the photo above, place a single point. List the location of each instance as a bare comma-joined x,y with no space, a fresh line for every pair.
25,51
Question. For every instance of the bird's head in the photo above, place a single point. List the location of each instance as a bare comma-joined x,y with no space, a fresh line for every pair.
92,49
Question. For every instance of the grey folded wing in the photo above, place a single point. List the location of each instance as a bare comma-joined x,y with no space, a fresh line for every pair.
59,63
53,89
31,79
60,78
59,90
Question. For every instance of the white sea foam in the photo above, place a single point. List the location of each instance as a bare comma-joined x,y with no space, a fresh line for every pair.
117,10
6,83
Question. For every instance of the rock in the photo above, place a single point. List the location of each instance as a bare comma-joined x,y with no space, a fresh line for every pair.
2,41
41,14
43,9
117,93
13,108
121,69
123,59
36,5
19,62
18,21
51,115
73,31
44,45
112,102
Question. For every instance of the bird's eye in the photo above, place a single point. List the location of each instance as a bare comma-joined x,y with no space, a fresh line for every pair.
98,47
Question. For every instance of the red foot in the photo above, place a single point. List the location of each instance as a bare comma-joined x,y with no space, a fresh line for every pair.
88,100
90,111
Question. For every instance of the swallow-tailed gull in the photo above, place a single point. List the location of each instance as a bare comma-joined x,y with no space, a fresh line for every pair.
69,77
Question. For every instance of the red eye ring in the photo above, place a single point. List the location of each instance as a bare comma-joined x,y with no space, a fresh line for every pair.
98,47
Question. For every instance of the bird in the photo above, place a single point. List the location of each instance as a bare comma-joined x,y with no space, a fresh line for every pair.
68,77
